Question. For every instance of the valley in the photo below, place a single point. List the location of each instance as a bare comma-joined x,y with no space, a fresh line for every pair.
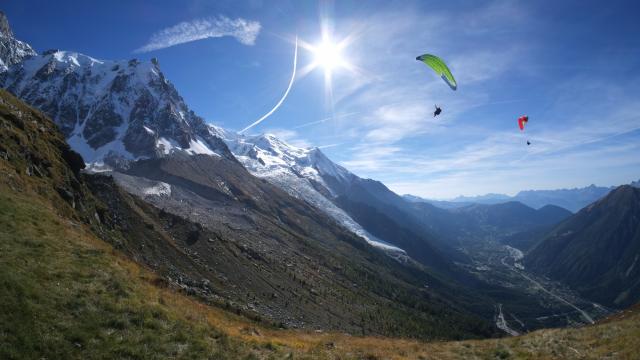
557,305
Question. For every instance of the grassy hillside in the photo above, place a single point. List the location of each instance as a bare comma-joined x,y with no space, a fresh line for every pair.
66,294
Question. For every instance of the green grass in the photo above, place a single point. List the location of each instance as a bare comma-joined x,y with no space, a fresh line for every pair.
64,294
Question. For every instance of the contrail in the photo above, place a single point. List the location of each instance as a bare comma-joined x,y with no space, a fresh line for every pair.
325,120
329,146
293,76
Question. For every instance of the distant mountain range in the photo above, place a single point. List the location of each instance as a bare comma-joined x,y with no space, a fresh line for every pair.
570,199
597,250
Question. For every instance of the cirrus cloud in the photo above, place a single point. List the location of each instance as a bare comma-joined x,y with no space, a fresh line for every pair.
245,31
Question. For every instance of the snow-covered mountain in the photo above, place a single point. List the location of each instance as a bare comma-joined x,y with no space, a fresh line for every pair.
301,172
108,110
114,112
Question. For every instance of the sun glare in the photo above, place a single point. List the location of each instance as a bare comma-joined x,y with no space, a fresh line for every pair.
328,55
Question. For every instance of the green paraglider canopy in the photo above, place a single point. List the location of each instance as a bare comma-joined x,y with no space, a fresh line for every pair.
440,68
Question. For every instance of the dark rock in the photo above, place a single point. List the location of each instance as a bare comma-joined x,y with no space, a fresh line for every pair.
46,71
73,159
120,83
4,25
65,194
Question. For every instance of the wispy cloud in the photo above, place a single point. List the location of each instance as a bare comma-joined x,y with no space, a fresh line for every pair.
394,122
582,154
245,31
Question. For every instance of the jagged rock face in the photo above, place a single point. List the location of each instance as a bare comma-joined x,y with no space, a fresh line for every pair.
111,109
12,51
4,25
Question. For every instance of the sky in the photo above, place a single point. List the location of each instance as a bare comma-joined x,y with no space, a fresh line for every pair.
573,67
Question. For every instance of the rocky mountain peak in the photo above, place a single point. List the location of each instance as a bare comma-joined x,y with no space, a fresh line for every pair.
111,111
12,51
5,29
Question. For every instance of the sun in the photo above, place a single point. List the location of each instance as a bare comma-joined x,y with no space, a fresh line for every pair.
328,55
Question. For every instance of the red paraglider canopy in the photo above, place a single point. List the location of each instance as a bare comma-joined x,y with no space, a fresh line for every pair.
522,120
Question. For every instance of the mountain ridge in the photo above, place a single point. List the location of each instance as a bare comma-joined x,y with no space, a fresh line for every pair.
596,250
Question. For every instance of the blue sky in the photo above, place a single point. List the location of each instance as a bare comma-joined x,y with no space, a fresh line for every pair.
572,66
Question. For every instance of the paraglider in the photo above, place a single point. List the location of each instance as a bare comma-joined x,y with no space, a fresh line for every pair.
437,112
440,68
522,121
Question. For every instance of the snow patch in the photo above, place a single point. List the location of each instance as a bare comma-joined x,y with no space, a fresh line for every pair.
160,189
97,167
197,146
90,155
